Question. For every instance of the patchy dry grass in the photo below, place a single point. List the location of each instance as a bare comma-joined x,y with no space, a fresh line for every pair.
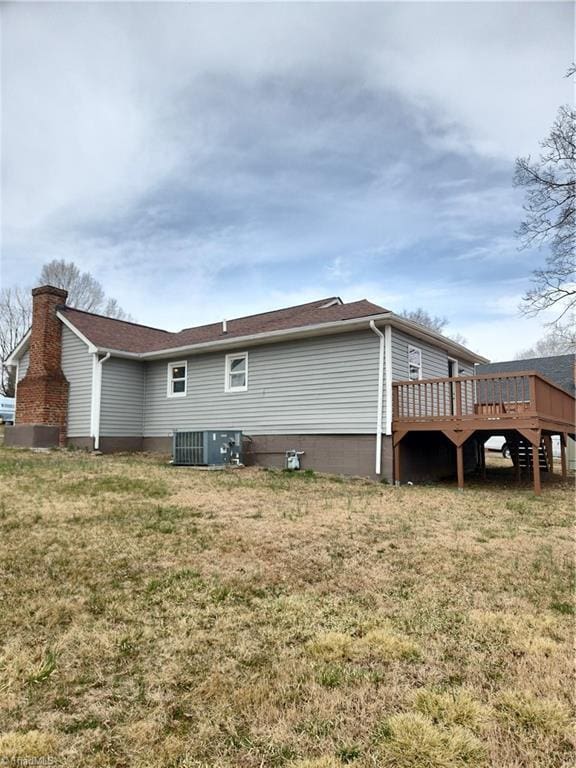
155,616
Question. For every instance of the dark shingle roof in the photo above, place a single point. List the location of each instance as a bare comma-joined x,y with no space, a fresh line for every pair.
559,369
115,334
108,333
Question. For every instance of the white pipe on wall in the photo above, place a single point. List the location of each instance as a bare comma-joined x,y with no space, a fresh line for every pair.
98,399
380,398
388,375
93,394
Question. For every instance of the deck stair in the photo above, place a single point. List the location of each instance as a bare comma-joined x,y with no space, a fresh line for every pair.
521,454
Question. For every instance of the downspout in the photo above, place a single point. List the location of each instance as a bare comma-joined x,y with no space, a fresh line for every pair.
388,375
16,389
97,397
380,397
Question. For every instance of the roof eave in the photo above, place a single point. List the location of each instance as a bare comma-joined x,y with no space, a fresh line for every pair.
72,327
18,350
320,329
427,334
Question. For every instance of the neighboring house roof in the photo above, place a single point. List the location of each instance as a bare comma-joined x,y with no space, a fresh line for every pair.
559,369
108,333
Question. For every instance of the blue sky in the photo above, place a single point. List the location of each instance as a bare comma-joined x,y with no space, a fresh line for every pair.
214,160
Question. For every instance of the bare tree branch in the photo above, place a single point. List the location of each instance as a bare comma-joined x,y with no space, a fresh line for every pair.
560,340
84,292
550,208
15,318
422,317
434,322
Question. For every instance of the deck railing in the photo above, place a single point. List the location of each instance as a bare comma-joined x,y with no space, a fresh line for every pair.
490,397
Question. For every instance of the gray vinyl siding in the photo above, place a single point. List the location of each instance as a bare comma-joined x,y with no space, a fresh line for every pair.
466,368
314,386
434,360
122,398
23,365
77,367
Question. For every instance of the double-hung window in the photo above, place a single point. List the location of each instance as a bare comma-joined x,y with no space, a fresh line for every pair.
177,376
236,372
414,363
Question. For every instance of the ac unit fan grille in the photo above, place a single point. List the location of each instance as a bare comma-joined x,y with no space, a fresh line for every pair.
189,448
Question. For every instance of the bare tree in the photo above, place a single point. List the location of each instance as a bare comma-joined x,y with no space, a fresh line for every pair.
84,292
14,322
458,338
422,317
433,322
560,340
550,207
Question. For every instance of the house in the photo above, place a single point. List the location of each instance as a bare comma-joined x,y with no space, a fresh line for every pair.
317,378
561,369
356,388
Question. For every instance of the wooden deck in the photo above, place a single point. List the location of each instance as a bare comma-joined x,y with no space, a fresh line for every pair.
479,406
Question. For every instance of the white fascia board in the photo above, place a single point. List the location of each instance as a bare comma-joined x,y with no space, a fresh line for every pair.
414,329
320,329
18,350
91,347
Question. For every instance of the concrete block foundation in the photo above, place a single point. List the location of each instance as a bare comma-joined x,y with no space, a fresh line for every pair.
31,436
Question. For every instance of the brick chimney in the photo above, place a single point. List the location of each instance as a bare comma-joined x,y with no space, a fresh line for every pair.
42,395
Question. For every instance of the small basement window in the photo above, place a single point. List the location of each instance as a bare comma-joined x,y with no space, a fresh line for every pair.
177,376
414,363
236,372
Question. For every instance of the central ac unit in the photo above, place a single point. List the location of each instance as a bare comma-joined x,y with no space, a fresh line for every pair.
208,447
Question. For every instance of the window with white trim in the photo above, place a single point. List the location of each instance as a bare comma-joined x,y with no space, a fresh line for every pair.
177,378
414,363
236,372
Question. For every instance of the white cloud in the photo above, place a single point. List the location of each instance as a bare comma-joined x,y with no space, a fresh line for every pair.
94,113
494,70
503,338
112,104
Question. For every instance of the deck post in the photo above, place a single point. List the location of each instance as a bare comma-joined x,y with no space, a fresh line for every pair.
483,460
460,466
532,391
397,437
563,456
536,469
458,398
397,463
